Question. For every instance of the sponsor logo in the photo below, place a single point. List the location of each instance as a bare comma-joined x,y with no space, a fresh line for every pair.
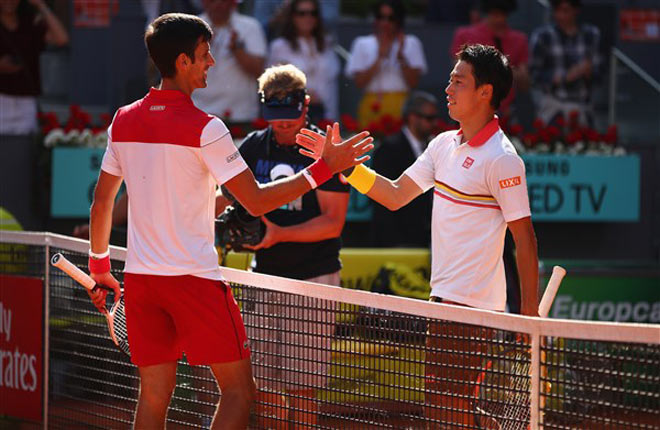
468,162
233,157
510,182
157,108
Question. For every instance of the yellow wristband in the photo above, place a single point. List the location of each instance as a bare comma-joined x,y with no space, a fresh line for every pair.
362,178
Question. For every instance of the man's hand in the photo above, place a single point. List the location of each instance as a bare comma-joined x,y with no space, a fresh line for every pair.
98,297
271,237
338,156
315,142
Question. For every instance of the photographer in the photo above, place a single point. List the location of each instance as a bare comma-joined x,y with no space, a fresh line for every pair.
301,241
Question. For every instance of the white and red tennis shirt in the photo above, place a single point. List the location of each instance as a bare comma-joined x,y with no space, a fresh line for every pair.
479,186
171,156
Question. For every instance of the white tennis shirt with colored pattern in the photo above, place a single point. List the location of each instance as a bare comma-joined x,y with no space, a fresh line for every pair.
479,186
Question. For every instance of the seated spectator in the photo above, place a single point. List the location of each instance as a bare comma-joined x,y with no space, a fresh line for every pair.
564,63
494,30
239,49
387,63
303,43
391,158
25,29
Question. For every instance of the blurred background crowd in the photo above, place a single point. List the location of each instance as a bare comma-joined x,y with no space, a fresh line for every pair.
585,84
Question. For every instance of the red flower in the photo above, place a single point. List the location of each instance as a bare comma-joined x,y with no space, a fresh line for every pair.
106,119
349,123
561,121
375,107
237,131
259,124
591,135
574,137
226,114
515,130
553,131
375,127
574,116
530,139
538,124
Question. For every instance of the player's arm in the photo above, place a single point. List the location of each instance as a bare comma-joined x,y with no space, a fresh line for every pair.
327,225
528,264
100,219
100,224
393,194
259,199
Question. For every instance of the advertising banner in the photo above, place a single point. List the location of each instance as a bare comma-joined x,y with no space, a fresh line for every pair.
583,188
21,347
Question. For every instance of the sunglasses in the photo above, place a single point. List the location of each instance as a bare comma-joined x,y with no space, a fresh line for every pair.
291,99
314,13
386,17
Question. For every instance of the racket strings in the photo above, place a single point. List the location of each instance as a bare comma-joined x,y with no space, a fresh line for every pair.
505,394
118,323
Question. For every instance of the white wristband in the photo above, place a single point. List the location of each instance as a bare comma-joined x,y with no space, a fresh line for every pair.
308,175
99,256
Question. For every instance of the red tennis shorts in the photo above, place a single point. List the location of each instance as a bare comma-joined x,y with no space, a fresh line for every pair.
169,315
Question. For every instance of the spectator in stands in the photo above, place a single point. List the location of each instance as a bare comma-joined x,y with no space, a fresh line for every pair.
565,61
26,26
391,159
494,30
386,64
239,47
303,43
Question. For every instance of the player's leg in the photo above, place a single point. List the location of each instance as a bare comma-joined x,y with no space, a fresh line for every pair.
238,392
154,348
157,384
453,360
212,333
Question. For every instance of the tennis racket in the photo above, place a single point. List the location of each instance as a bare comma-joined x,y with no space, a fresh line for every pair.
502,392
116,317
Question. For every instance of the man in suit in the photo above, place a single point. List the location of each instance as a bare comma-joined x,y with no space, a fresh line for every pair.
410,226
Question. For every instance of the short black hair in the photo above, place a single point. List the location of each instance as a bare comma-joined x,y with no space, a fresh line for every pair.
504,6
398,8
489,66
415,102
556,3
173,34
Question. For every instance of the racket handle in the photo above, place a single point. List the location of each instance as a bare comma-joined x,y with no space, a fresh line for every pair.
557,275
60,261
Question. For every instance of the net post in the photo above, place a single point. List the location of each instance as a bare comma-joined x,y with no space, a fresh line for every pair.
46,341
535,395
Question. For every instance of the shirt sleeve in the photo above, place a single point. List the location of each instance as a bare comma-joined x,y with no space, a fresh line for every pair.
110,163
414,52
508,184
422,171
219,152
355,61
255,39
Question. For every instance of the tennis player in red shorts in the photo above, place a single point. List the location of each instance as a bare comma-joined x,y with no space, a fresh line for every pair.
172,157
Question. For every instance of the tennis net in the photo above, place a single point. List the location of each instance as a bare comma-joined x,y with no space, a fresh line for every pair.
326,357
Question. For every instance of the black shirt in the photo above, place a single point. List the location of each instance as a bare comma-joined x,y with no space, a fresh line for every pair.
297,260
23,45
